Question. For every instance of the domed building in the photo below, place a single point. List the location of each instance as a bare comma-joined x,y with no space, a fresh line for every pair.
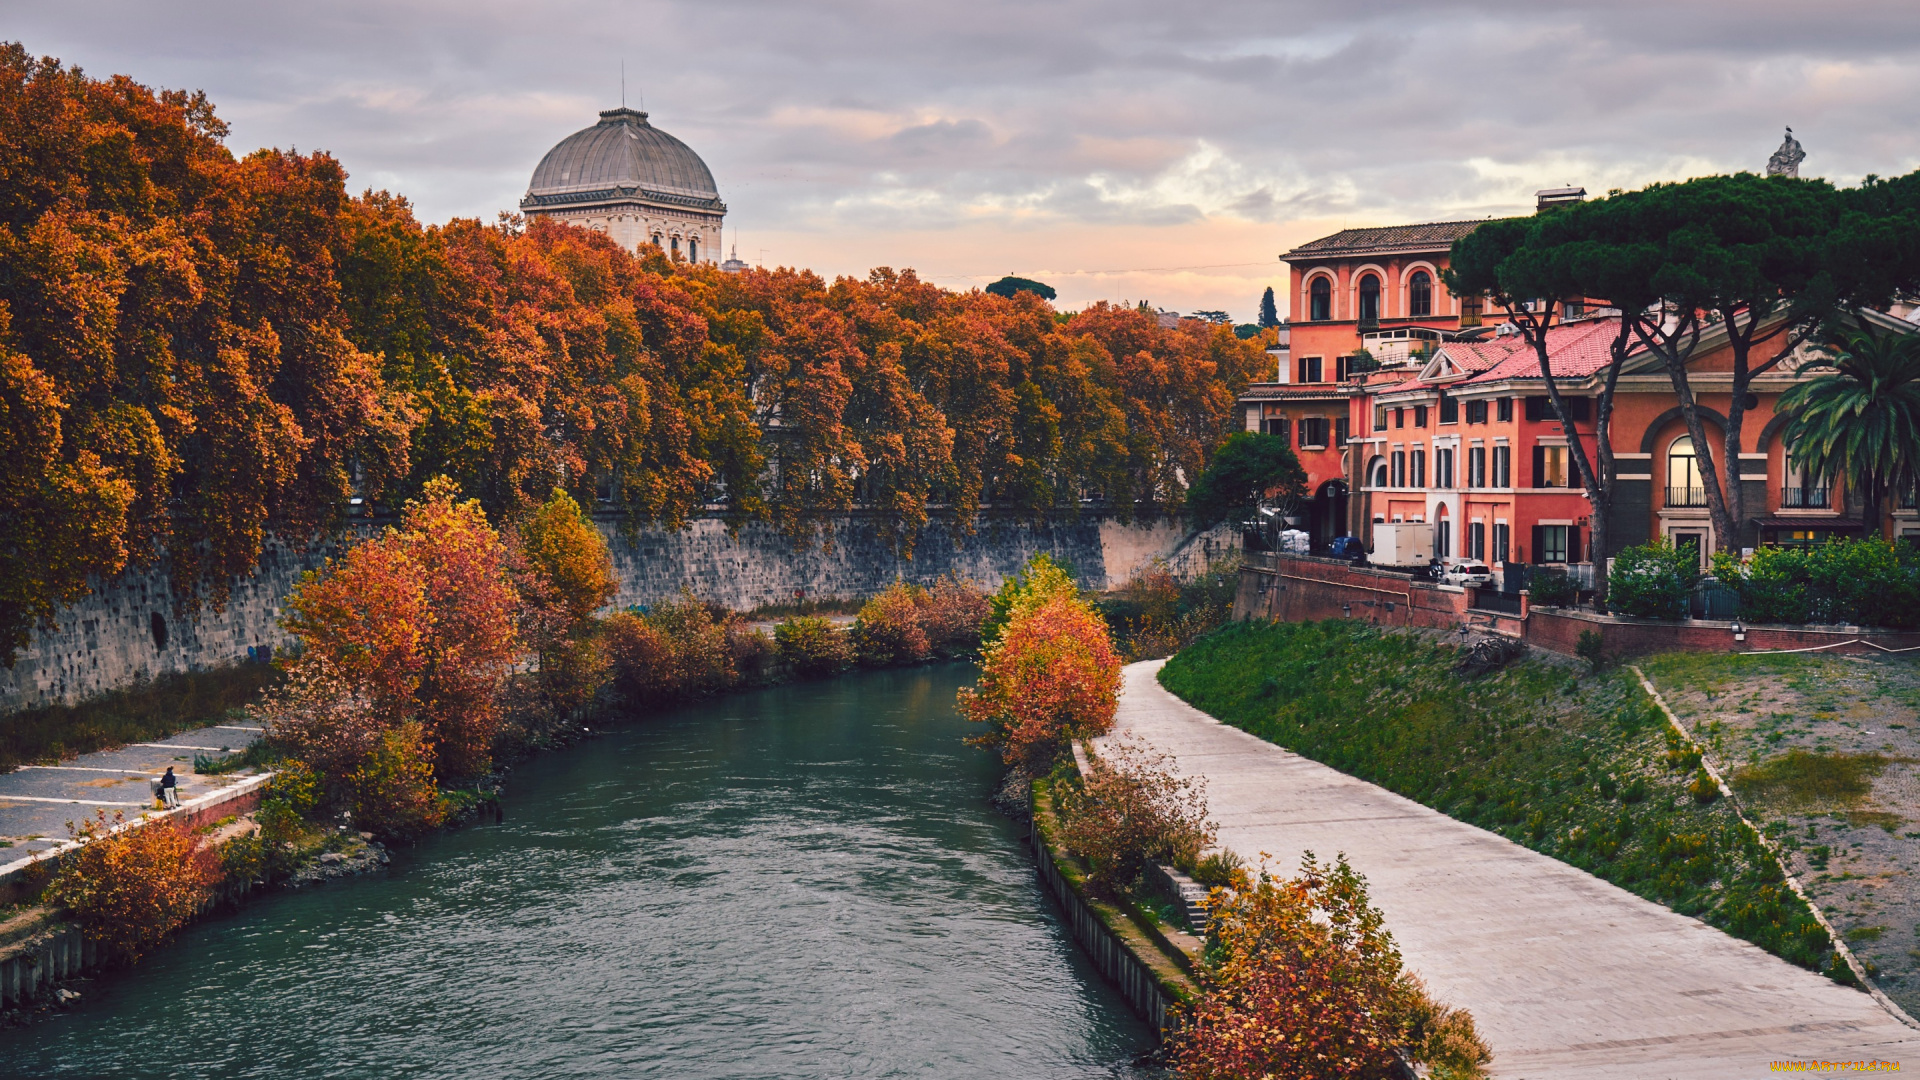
638,184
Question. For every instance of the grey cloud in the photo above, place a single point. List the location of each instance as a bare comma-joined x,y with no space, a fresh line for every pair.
877,115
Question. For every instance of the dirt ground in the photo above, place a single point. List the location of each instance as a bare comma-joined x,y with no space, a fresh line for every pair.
1856,847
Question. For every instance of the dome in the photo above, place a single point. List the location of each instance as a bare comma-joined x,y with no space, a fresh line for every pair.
622,151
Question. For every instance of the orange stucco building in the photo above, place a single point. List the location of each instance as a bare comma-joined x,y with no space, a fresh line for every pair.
1406,404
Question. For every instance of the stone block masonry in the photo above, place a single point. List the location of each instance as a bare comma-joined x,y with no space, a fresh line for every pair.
129,628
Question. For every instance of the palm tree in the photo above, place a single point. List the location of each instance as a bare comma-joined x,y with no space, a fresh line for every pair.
1861,421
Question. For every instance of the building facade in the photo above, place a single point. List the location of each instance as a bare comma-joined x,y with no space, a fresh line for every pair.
637,184
1406,404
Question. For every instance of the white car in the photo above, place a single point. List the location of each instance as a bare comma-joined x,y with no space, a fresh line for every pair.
1468,573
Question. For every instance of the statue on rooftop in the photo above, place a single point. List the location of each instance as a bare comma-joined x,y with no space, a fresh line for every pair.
1786,160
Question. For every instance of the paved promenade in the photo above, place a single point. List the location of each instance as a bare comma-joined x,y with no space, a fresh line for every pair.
37,801
1566,975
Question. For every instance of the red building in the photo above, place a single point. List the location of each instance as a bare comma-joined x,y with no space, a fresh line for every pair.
1405,406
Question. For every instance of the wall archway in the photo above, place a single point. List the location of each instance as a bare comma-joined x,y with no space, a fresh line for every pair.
1652,434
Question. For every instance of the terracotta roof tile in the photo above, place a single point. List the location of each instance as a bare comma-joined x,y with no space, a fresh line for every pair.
1433,235
1577,351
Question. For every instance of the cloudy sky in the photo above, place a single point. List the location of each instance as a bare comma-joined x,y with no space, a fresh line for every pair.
1124,149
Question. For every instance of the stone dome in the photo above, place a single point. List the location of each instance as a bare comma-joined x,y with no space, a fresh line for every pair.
622,151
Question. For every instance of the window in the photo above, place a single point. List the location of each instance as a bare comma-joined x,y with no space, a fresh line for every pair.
1556,544
1400,417
1541,409
1340,434
1320,300
1469,311
1313,431
1449,409
1379,418
1399,468
1477,467
1419,469
1443,467
1550,467
1442,537
1377,472
1369,300
1500,550
1477,541
1278,425
1802,491
1309,369
693,250
1502,466
1476,412
676,245
1419,416
1420,295
1684,486
1504,410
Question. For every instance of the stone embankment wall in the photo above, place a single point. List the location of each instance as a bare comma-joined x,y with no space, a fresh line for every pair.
130,629
1297,588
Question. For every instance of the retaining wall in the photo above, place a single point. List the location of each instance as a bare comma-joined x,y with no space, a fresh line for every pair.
129,629
1293,588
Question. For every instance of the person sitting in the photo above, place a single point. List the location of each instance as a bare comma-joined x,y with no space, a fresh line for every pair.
169,789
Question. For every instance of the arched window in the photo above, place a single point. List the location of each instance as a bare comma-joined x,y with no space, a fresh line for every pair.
693,250
1320,300
1369,299
676,245
1377,472
1684,487
1420,295
656,239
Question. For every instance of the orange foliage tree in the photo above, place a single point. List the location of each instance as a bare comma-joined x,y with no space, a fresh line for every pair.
196,348
1053,675
1305,981
420,621
132,888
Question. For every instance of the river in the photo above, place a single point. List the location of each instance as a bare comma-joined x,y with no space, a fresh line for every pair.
798,882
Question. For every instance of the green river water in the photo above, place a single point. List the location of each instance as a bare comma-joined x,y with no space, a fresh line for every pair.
801,882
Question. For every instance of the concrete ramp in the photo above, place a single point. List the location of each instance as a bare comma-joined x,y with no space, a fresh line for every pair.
1565,974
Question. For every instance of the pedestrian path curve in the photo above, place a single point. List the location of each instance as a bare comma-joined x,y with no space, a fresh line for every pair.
1565,974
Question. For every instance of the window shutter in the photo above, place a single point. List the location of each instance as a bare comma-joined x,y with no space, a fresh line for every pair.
1573,543
1539,469
1538,534
1282,428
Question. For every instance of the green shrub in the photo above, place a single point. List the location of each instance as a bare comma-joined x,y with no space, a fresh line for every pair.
1871,582
1653,581
812,647
1591,647
1552,588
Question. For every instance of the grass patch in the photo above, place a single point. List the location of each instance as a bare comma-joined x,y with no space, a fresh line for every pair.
1881,819
1576,771
154,709
827,605
1805,780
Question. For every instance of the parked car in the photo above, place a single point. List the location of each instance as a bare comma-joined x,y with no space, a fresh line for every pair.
1468,573
1347,547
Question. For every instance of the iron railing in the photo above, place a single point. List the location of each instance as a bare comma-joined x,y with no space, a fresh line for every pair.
1804,497
1686,496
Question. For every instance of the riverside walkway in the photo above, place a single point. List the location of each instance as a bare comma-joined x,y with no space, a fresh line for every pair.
37,801
1565,975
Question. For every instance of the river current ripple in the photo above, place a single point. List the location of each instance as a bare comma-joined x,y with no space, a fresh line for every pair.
801,882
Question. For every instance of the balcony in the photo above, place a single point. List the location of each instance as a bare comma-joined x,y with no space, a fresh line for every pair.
1686,496
1805,498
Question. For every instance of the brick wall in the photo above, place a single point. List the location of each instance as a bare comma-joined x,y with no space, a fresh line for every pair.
1290,588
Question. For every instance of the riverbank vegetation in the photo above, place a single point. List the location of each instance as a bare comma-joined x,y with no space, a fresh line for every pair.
1292,977
198,347
1303,979
1577,769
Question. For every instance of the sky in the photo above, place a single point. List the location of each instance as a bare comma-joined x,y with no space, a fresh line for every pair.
1125,150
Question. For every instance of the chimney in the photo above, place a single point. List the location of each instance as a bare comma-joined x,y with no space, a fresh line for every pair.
1558,196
